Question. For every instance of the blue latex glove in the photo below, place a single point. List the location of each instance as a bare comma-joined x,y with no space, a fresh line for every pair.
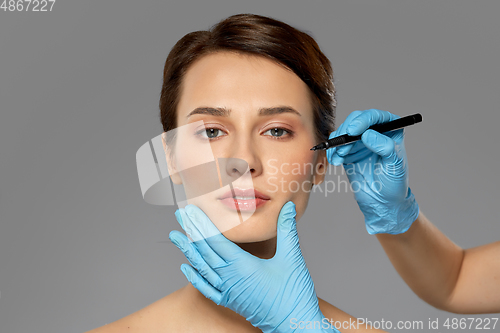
377,169
269,293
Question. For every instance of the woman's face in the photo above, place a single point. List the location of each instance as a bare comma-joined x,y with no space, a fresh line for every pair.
256,111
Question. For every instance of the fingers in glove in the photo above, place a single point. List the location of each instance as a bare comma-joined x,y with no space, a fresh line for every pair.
201,284
392,156
210,238
368,118
381,145
357,180
212,258
336,155
195,258
357,157
287,239
350,148
333,158
178,217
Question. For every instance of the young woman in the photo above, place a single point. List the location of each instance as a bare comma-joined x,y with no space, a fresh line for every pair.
264,93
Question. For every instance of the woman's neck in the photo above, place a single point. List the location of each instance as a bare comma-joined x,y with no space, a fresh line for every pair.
217,317
264,249
217,314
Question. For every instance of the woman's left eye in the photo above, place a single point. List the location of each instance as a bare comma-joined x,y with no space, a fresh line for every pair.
277,132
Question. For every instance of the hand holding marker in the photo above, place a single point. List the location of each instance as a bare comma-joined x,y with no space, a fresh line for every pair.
377,167
428,261
381,128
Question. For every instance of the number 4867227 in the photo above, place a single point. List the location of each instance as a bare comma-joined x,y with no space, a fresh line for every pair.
27,5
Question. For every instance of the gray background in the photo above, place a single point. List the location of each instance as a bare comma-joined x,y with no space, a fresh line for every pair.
79,90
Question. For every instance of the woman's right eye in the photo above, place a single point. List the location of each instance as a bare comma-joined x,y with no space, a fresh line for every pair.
209,133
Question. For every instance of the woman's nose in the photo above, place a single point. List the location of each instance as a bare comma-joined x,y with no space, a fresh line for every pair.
242,158
236,167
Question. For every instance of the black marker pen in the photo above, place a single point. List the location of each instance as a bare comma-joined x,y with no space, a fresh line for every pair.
381,128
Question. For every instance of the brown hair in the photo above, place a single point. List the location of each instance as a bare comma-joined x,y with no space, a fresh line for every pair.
255,35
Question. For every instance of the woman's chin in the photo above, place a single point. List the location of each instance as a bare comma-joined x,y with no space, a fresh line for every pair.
248,232
243,226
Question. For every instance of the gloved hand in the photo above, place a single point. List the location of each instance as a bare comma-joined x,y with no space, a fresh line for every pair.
377,169
269,293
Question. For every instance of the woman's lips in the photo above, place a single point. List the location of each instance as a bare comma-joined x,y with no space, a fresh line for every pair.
244,204
244,199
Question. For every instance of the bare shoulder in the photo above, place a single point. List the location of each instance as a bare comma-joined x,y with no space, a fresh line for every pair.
167,314
343,320
332,312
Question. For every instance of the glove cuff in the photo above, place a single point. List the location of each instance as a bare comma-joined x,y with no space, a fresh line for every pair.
393,220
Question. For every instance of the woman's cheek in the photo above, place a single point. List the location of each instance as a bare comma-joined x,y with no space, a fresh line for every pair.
299,180
297,175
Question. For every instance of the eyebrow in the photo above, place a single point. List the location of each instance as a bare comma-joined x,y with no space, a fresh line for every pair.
223,112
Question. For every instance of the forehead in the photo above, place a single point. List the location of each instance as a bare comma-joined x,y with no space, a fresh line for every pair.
241,81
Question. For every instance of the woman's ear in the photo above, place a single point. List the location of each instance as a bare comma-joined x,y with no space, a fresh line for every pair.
172,168
320,167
